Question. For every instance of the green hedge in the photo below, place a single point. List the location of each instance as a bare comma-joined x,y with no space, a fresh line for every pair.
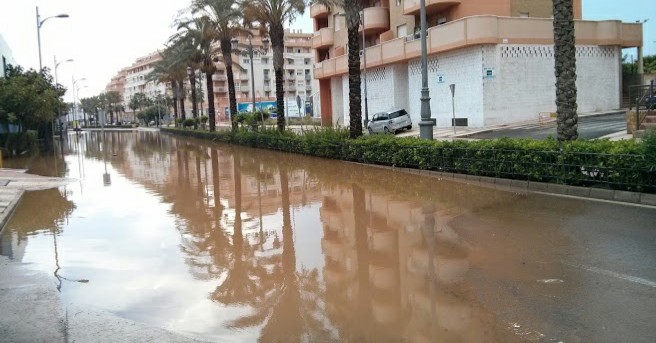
624,165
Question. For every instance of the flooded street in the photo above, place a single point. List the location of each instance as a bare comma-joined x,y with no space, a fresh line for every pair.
232,244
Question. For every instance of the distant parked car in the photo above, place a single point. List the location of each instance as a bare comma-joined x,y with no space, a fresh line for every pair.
390,122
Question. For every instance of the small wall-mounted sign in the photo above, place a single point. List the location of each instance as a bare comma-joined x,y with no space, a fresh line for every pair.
441,78
488,73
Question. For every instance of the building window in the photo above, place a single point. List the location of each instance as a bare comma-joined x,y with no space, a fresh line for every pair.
246,61
267,94
265,60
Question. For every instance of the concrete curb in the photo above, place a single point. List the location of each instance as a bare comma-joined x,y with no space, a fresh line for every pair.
14,197
635,198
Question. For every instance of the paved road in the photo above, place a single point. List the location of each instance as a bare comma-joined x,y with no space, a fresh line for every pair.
589,128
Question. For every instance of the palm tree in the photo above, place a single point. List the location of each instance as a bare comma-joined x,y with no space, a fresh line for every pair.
225,16
271,16
112,98
352,9
565,56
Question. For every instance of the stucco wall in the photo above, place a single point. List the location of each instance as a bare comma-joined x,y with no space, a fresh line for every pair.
523,84
460,67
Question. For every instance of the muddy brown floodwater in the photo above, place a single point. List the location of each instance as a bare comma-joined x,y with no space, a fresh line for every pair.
232,244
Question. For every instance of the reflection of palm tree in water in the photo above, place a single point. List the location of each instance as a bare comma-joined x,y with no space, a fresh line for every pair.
239,287
287,315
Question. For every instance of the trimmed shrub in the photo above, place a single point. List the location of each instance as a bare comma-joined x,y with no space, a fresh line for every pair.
600,163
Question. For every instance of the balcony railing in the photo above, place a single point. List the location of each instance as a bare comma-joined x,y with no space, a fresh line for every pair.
323,38
411,7
319,11
376,20
217,77
479,30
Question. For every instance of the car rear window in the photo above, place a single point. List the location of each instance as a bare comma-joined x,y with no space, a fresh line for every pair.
398,114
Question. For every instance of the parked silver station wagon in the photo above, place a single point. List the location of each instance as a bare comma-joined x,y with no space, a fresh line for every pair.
390,122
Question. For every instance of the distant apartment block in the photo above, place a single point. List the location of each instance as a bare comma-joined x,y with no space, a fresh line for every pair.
299,80
498,53
6,57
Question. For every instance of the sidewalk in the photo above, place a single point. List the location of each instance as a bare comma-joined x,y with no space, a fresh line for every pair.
13,182
464,132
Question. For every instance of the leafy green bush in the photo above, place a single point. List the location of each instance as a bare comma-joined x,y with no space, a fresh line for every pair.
190,122
601,163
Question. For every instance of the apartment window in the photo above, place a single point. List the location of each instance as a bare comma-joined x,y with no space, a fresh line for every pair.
298,51
307,61
338,21
265,60
402,30
237,86
246,61
299,72
267,94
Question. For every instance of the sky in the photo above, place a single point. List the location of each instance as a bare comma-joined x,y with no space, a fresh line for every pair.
104,36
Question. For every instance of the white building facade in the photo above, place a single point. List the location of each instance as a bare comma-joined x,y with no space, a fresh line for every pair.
6,57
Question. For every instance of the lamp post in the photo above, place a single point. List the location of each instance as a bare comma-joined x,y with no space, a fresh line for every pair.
74,96
39,23
61,128
641,64
426,124
364,56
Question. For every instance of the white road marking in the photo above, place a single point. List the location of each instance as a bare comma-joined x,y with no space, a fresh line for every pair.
625,277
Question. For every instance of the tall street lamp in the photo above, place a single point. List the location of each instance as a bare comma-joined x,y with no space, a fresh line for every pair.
57,83
364,56
74,96
426,124
39,23
250,51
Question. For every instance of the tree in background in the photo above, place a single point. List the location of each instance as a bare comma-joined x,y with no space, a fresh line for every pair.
224,16
565,57
29,100
272,15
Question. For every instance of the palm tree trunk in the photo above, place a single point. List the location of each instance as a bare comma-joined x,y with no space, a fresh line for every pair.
174,88
355,95
181,94
226,52
277,34
565,57
194,105
211,112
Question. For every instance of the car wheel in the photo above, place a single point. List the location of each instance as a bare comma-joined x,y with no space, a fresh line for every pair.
409,127
387,131
371,132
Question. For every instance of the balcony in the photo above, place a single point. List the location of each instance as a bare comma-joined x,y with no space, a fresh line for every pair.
376,20
411,7
323,38
290,88
267,77
267,88
220,89
244,77
218,77
477,30
290,77
319,11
